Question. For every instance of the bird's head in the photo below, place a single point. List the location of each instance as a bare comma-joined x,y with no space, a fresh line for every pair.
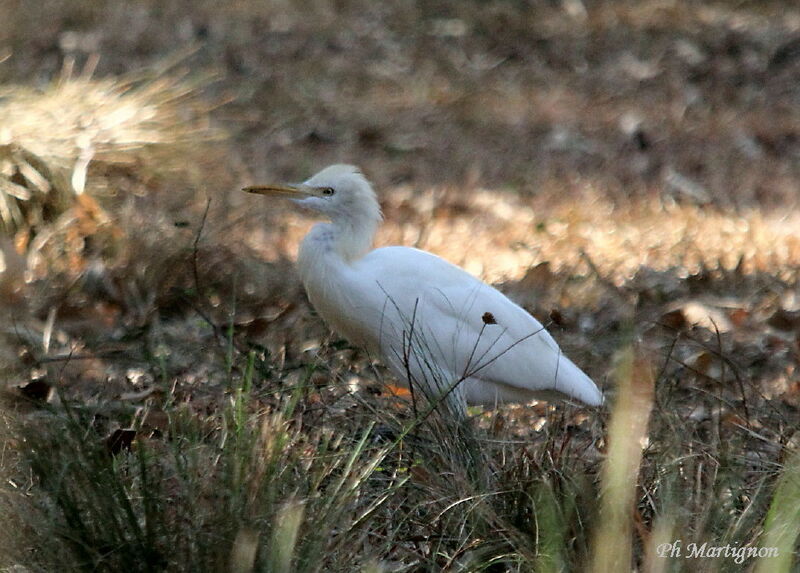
340,192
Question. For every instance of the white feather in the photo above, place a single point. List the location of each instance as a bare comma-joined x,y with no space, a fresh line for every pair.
429,320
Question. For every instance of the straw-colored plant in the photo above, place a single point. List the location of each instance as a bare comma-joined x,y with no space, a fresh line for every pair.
52,137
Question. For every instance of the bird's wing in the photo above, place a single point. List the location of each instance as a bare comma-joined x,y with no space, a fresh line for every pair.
463,328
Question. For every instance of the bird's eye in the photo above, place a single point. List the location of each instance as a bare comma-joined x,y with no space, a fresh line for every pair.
328,191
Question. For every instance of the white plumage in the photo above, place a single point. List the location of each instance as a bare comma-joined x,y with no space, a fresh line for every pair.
435,325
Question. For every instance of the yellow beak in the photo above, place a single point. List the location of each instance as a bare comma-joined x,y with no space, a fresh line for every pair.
289,191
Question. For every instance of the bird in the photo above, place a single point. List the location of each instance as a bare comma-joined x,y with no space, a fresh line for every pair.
441,331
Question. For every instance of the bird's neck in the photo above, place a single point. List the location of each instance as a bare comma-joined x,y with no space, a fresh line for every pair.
351,241
342,239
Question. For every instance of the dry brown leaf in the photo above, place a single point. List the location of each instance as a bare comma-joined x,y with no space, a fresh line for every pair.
120,440
738,316
156,420
785,320
36,390
687,314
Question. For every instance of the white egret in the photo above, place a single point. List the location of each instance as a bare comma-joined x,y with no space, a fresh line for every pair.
437,327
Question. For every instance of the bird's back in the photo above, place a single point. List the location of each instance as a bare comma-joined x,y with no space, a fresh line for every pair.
433,320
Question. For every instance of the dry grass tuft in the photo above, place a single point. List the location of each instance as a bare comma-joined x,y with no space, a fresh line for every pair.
51,137
627,436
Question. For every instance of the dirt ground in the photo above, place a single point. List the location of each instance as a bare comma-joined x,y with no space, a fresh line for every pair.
627,171
646,151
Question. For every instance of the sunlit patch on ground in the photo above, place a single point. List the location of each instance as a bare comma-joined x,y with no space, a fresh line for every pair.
498,236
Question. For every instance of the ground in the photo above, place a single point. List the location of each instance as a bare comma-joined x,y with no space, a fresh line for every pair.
626,171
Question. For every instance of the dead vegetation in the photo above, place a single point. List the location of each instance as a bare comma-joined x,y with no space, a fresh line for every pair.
626,172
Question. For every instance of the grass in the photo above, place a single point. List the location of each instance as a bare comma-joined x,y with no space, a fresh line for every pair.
781,525
267,483
247,488
170,402
613,543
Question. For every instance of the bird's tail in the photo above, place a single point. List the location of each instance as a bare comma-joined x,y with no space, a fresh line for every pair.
572,381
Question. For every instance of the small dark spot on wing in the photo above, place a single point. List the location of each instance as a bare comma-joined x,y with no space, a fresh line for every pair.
488,318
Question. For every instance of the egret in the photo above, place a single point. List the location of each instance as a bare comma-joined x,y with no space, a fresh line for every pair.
439,329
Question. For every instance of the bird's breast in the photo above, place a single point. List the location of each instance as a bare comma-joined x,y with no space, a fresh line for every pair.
338,297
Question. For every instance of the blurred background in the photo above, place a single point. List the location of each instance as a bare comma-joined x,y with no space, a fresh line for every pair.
625,170
604,158
525,95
